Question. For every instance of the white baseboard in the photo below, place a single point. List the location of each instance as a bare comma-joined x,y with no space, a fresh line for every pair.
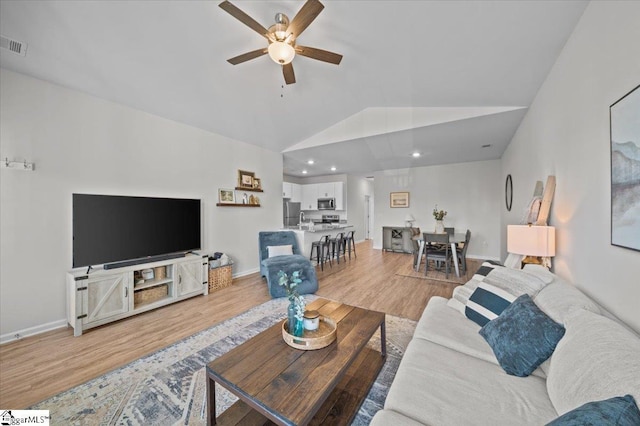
31,331
244,273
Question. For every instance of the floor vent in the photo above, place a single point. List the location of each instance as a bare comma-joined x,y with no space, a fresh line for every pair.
14,46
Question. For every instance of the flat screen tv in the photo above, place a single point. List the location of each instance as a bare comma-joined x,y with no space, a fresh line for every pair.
119,230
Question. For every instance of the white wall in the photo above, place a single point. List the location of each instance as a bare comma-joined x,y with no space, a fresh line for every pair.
357,188
566,133
469,192
84,144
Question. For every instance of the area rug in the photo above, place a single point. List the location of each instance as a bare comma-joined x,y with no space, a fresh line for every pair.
169,386
407,270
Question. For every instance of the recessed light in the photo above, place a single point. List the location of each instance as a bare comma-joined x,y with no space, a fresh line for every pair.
486,146
310,162
304,172
333,169
415,155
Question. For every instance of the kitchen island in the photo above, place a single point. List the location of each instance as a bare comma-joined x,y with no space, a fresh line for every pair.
308,234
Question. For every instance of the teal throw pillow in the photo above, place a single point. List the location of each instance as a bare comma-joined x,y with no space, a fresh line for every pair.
522,337
618,411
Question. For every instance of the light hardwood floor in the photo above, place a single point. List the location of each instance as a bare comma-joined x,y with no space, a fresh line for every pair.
38,367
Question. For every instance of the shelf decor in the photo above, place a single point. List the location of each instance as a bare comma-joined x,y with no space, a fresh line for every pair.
625,170
245,179
226,196
399,200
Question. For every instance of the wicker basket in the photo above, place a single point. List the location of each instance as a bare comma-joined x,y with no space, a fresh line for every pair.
150,294
160,272
220,277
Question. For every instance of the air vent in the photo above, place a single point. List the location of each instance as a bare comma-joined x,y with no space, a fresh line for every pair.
14,46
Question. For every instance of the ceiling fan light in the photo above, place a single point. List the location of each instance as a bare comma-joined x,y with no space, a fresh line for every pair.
281,53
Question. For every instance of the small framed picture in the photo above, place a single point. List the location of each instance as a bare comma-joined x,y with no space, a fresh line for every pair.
399,200
256,183
226,196
245,179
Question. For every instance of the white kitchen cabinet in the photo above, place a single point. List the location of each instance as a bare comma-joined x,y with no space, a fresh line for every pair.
292,191
286,189
309,197
296,193
339,195
326,190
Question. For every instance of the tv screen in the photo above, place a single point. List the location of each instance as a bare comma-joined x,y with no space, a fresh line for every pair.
111,228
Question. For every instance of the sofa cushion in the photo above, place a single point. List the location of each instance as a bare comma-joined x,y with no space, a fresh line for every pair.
289,264
435,385
522,337
597,359
515,281
285,250
442,325
388,417
486,303
618,411
560,299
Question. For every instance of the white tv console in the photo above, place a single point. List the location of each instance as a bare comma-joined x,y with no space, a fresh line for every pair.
106,295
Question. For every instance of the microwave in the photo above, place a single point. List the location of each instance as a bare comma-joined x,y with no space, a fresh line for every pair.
326,203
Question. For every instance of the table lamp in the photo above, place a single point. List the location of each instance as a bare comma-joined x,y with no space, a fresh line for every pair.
534,242
409,219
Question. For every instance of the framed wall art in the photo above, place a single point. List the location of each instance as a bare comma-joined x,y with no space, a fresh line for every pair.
257,184
399,200
245,179
624,116
226,196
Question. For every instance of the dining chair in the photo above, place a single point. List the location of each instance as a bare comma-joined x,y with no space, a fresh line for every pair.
462,252
415,236
434,252
449,231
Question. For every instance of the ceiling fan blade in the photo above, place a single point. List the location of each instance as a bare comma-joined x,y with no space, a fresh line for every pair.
244,18
310,10
319,54
289,76
247,56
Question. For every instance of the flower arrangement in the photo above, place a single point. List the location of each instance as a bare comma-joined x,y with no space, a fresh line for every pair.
290,284
439,214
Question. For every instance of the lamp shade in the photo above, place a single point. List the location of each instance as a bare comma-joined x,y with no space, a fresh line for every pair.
281,52
531,240
409,218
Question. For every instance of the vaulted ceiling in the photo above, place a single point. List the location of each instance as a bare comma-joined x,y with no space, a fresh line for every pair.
442,78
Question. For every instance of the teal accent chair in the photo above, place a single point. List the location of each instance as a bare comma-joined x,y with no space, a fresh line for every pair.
269,267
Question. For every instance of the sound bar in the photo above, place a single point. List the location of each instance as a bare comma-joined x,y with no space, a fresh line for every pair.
149,259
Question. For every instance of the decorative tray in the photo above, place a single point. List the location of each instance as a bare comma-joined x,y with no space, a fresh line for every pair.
311,340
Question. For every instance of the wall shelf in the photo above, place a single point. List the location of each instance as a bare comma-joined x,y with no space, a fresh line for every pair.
236,205
239,188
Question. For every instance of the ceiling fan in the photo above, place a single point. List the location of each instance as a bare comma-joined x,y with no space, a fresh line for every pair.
282,37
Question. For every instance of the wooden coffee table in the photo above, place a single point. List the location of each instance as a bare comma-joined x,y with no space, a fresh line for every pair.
279,384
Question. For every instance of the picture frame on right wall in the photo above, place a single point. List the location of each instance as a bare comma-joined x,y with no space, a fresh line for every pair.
624,116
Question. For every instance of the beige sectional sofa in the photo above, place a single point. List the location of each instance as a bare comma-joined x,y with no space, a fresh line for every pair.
449,374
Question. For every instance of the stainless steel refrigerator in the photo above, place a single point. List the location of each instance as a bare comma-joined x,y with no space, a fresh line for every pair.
291,213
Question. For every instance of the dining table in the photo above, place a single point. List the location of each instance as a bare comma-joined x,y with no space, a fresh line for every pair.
454,239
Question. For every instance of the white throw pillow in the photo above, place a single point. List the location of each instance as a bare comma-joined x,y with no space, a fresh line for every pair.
280,250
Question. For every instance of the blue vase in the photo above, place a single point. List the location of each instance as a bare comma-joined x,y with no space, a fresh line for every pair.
291,315
298,329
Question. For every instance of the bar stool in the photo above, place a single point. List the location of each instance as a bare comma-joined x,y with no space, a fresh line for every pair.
321,246
349,242
337,244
